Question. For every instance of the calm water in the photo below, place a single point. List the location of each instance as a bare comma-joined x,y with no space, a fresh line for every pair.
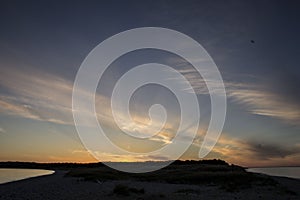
8,175
292,172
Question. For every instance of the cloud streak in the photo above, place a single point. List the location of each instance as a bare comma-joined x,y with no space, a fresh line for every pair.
41,96
270,151
46,97
253,153
253,95
36,95
2,131
263,102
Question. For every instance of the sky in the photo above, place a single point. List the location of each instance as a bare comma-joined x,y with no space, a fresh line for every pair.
254,44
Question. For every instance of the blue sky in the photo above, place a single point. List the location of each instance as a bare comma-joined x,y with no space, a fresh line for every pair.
42,45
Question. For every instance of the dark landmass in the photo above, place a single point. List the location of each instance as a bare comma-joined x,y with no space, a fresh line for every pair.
48,166
35,165
179,172
208,179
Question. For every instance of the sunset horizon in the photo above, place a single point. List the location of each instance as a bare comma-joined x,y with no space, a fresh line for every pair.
43,46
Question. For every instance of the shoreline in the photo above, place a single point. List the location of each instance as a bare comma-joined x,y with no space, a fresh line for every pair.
277,171
58,186
55,171
28,176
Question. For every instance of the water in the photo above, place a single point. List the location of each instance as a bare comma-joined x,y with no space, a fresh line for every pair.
292,172
8,175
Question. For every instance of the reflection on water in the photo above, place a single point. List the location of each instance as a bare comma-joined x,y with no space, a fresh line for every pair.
292,172
8,175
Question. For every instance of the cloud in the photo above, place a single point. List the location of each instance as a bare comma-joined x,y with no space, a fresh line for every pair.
253,94
41,96
38,95
153,129
2,131
47,97
252,153
261,101
269,151
111,157
198,84
12,106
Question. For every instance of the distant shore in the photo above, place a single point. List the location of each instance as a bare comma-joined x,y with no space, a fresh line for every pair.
194,182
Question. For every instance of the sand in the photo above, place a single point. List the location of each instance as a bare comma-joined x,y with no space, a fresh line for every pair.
58,187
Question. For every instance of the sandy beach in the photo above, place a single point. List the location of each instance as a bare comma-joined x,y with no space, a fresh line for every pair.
57,186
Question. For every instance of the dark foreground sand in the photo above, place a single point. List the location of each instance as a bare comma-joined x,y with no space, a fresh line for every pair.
58,187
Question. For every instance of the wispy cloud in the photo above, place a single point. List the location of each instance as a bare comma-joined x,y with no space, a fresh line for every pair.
110,157
12,106
270,151
198,84
248,152
263,102
253,153
2,131
46,97
36,95
252,94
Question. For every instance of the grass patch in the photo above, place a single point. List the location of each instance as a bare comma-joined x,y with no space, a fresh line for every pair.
124,190
187,191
